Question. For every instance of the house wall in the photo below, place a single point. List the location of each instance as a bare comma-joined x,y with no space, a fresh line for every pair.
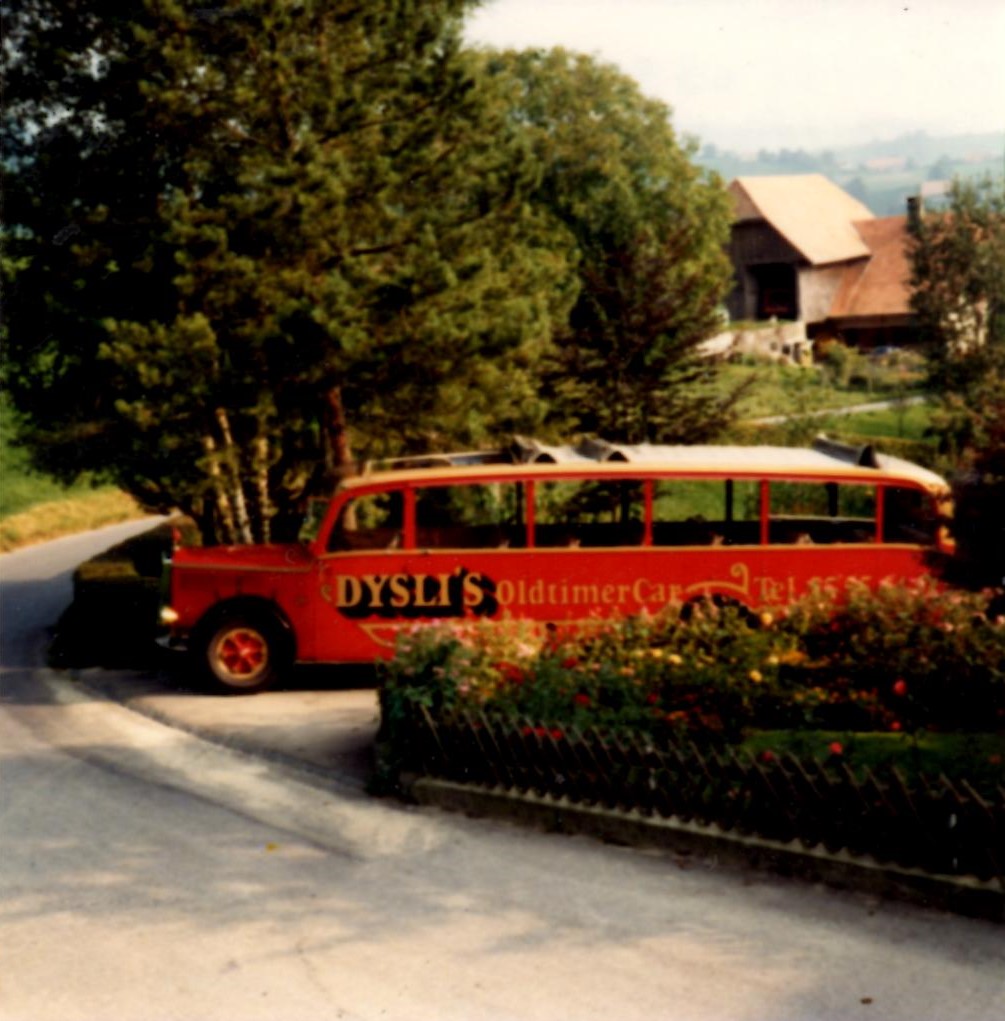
818,286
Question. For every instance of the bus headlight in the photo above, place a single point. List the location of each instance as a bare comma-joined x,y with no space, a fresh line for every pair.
169,615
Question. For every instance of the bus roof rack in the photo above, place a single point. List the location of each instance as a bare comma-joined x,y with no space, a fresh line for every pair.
461,459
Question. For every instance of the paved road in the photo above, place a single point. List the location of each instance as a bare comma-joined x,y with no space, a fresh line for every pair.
851,409
147,874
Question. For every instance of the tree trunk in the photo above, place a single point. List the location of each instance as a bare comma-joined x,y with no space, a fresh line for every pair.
224,512
339,454
266,509
244,532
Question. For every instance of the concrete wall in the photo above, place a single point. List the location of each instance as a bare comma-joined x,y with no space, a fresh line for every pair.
781,342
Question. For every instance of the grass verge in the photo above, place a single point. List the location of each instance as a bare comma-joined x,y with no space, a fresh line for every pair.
79,512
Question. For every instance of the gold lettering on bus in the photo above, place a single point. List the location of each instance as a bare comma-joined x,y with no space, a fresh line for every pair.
412,595
739,571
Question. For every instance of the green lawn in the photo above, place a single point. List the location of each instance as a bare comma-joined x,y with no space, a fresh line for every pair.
910,422
791,390
978,757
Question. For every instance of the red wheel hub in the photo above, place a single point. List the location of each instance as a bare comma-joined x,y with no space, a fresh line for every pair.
242,652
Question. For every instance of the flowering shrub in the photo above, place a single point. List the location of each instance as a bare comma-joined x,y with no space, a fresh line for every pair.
901,658
898,658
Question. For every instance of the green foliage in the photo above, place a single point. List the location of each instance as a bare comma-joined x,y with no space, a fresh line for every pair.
649,228
232,230
958,273
894,660
970,421
838,359
959,280
21,487
247,242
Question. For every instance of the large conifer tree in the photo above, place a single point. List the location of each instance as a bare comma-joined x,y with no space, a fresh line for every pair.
232,229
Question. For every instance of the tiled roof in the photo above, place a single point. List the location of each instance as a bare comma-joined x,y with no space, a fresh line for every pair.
811,212
880,285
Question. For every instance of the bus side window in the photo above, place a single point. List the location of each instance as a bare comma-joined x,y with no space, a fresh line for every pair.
473,516
815,513
607,513
909,515
706,512
369,522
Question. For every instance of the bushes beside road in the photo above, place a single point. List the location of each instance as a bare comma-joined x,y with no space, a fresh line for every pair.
897,662
878,729
897,659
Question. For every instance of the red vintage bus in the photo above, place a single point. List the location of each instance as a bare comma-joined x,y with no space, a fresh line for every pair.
553,534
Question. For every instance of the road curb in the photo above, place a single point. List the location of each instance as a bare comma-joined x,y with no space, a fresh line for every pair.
309,772
964,896
959,895
279,792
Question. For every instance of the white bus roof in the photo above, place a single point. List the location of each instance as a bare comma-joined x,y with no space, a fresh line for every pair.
826,457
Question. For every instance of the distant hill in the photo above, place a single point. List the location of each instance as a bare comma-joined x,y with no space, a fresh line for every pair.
880,173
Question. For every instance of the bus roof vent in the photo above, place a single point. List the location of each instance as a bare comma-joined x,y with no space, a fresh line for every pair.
863,456
528,451
602,450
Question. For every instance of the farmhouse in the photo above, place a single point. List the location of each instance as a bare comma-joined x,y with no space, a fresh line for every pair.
805,250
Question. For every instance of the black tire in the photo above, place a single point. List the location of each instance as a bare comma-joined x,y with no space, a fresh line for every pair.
242,653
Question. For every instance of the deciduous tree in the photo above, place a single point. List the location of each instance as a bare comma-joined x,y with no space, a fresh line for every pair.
958,273
649,227
958,276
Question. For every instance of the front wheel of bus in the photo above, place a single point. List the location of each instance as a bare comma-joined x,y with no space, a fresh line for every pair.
243,654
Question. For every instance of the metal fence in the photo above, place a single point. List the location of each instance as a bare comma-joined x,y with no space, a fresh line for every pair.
940,825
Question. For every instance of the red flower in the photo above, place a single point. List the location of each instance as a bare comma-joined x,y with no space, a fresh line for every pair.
557,734
511,673
581,699
767,755
570,662
900,687
836,748
895,725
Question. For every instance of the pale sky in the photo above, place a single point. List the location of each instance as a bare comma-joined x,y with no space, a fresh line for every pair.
809,74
